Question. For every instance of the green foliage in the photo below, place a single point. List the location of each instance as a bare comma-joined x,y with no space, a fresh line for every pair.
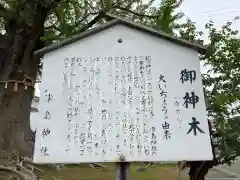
189,32
222,89
74,16
107,4
167,21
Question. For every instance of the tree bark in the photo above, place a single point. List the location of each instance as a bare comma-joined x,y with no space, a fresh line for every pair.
199,169
18,67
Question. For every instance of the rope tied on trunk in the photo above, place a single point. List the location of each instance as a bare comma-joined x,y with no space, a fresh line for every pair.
26,82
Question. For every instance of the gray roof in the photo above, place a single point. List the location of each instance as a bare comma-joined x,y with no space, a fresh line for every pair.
114,20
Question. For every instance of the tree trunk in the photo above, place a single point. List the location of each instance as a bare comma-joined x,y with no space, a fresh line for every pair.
17,68
199,169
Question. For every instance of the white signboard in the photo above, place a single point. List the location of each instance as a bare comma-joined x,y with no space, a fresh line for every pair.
141,98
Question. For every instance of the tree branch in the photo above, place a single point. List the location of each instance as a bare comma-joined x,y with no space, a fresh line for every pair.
91,23
178,4
135,13
14,170
84,18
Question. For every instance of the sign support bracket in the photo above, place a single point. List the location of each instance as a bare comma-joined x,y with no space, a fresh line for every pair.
123,170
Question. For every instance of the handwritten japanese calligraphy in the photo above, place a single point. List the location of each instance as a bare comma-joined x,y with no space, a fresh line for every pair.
164,95
188,75
44,151
102,107
190,99
45,132
48,96
194,127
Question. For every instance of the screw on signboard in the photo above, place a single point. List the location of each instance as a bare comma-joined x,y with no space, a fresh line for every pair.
123,169
119,40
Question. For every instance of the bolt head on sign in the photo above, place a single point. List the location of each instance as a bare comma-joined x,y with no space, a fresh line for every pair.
142,98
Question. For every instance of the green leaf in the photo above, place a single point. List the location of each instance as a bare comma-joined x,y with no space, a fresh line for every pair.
108,4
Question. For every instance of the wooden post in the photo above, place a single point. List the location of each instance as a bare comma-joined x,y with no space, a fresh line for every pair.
123,170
